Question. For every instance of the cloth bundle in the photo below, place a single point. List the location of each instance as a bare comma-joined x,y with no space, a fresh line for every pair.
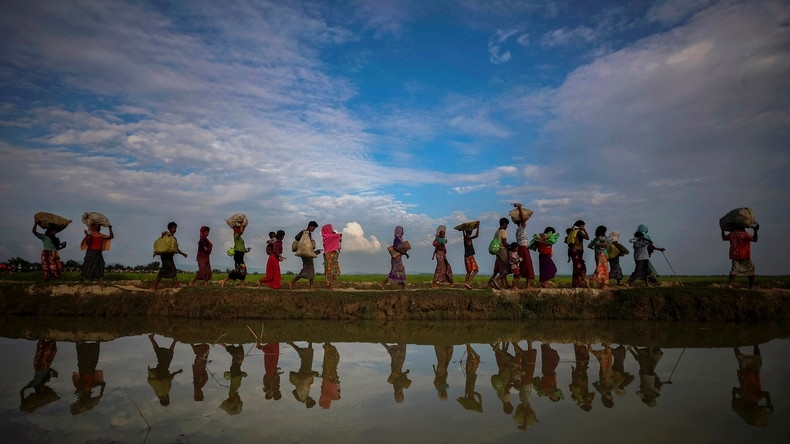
516,218
237,220
738,218
94,218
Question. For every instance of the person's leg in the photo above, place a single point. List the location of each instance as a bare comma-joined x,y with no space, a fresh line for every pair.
156,282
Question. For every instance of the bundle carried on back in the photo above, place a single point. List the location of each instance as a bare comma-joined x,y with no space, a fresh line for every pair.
738,218
48,220
166,244
237,220
93,218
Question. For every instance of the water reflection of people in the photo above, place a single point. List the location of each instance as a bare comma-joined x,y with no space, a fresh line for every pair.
649,383
43,372
621,378
547,383
330,382
580,386
605,383
271,376
160,377
502,381
444,354
398,378
525,416
87,378
303,379
746,398
472,400
199,371
233,404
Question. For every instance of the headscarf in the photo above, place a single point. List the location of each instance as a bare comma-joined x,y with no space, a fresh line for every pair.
643,229
398,236
331,239
441,228
614,236
203,229
441,239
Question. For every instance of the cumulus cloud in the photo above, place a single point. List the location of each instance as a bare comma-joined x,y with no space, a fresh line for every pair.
354,239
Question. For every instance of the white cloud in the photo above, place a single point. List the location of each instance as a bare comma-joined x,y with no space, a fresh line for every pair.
354,239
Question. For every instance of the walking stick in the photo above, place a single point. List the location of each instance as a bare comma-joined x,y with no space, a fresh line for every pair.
670,267
669,381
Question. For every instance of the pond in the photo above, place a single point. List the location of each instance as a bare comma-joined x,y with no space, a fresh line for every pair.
165,381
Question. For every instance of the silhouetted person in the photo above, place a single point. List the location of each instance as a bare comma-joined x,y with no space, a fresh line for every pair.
605,383
472,400
199,372
580,386
43,372
398,378
303,379
527,359
160,378
87,378
444,354
330,382
271,376
233,404
746,398
547,383
649,383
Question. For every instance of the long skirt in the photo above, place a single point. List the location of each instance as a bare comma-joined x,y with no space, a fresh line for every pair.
50,265
444,271
331,266
93,265
579,268
239,267
168,270
204,267
525,267
308,269
548,269
641,270
273,278
601,274
397,270
615,271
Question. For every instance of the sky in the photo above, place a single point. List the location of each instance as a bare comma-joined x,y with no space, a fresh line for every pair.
371,114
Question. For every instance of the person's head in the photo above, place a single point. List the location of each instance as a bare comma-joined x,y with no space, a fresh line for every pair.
578,224
96,227
513,246
600,230
568,230
399,231
615,235
549,230
280,235
272,235
172,227
639,235
504,222
312,225
204,230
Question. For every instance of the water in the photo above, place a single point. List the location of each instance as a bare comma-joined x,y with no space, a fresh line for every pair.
386,384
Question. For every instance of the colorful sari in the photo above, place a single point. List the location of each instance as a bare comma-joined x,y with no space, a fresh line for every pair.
273,276
397,269
331,254
444,271
51,266
203,257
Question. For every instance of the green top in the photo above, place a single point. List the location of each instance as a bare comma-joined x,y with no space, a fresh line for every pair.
238,243
48,245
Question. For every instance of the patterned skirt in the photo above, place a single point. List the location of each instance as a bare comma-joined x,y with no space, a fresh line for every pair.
93,265
331,266
444,271
397,270
50,265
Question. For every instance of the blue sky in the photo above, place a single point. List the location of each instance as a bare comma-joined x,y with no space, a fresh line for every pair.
371,114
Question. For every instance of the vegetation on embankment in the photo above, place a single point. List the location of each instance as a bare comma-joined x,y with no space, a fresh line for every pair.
362,302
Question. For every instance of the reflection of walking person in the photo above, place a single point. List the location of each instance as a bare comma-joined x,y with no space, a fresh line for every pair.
444,354
746,398
87,378
330,382
272,372
199,371
159,377
472,400
649,383
398,378
233,404
303,379
43,372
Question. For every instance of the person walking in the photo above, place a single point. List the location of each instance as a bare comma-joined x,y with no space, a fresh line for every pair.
306,250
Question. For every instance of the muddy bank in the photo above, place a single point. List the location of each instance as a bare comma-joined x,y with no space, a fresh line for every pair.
131,299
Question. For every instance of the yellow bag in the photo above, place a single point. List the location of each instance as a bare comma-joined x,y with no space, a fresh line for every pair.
166,244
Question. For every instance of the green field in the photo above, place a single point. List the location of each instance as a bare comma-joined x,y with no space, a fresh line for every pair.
413,279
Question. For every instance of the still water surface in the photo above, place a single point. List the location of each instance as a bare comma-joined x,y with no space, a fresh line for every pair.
164,386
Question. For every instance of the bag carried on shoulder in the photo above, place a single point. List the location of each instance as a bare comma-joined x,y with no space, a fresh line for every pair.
494,246
306,246
166,244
